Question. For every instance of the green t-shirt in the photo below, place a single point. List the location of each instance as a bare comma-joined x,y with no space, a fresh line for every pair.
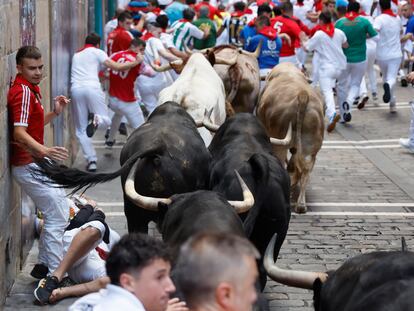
356,34
210,41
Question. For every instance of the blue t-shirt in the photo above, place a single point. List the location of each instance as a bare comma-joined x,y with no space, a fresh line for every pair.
175,11
410,25
269,55
246,34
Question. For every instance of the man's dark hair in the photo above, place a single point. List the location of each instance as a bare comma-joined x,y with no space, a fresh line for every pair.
124,16
385,4
93,38
138,42
341,10
27,51
162,20
325,17
133,253
277,11
353,7
188,14
153,2
239,6
263,21
264,8
190,2
286,7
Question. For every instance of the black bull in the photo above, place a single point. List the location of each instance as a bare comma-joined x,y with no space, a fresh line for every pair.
242,144
377,281
172,159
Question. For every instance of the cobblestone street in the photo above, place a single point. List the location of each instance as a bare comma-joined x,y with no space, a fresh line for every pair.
360,199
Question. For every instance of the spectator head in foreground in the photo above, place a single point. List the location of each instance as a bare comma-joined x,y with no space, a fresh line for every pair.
141,265
217,271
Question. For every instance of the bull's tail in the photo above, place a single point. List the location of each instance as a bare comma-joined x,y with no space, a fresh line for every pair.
66,177
303,100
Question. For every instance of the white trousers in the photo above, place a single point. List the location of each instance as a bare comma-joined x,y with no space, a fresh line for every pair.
131,111
301,56
349,83
327,80
370,72
52,203
150,88
85,100
389,69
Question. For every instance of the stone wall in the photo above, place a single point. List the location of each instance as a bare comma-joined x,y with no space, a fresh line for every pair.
30,22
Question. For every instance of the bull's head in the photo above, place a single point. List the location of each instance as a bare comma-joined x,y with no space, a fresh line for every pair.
151,203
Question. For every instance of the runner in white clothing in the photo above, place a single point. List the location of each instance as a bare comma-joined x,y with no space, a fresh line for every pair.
389,54
327,44
184,31
87,94
139,269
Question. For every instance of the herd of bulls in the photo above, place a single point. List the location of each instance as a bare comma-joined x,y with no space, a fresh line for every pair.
244,182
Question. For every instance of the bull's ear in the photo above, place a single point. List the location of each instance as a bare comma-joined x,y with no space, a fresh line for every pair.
211,58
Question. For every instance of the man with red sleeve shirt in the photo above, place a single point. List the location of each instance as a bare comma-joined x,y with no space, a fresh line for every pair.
27,120
285,24
120,38
122,98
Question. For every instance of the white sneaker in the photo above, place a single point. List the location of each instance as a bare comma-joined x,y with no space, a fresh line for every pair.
405,142
91,166
393,108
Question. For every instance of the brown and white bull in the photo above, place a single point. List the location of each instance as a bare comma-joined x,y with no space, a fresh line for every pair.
241,80
288,97
197,89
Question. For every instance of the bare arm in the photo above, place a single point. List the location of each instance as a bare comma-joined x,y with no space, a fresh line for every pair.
345,45
79,289
167,55
21,136
60,104
220,31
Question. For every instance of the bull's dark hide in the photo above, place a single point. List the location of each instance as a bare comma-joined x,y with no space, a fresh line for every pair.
242,144
378,281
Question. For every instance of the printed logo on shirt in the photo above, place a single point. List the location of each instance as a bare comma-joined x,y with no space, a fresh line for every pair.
271,44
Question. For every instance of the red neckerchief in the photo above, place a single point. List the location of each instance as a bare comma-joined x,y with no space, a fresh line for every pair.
86,46
156,11
395,2
147,36
329,29
300,4
362,13
101,253
389,12
241,13
183,20
22,81
318,5
351,15
252,22
269,32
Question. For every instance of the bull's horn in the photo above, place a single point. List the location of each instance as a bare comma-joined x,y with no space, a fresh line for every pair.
206,122
222,61
283,142
256,53
293,278
148,203
248,200
199,123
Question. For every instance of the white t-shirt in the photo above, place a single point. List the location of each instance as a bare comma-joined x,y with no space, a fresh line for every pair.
85,67
329,49
389,30
183,33
167,40
113,298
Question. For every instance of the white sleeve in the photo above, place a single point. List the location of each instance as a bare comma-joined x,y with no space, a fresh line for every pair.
167,41
312,43
195,32
343,39
377,23
102,56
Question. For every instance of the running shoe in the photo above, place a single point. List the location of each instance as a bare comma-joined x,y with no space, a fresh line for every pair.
387,93
45,288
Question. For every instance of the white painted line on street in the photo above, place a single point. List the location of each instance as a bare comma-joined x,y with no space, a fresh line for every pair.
384,214
103,141
324,204
352,204
361,142
363,147
104,147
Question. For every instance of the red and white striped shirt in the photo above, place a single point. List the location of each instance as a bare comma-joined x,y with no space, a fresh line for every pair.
25,109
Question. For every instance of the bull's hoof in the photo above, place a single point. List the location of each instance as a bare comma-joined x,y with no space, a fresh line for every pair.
300,208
